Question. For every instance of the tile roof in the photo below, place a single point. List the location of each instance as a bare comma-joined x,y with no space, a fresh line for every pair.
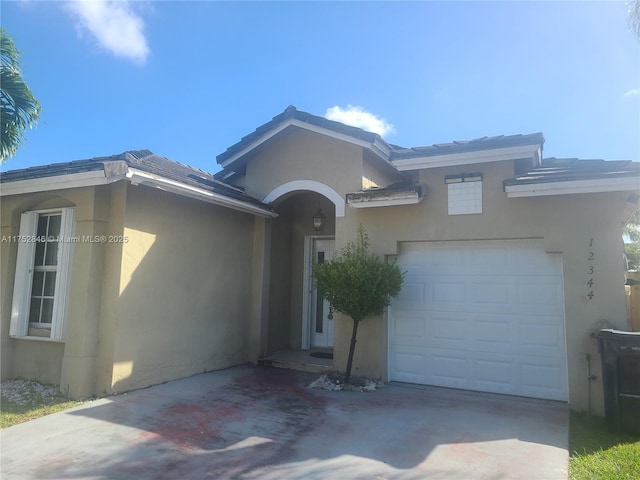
143,160
290,113
39,171
570,169
395,151
460,146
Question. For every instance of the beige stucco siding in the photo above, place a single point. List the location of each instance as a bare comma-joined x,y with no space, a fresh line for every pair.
110,295
280,283
377,173
70,363
176,292
185,285
303,155
573,225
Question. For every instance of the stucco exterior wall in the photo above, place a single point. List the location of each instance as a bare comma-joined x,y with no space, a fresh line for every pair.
573,225
71,363
301,155
280,283
304,155
179,294
110,297
184,289
376,173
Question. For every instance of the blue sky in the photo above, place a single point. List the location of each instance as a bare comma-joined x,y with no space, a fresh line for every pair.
188,79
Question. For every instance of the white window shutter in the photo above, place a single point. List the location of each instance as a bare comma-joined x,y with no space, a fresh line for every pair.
62,277
24,275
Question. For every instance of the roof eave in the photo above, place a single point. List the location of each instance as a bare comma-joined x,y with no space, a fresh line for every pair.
139,177
136,177
469,158
58,182
600,185
386,197
412,199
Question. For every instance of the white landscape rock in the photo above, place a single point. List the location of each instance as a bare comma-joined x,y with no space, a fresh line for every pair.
327,383
24,392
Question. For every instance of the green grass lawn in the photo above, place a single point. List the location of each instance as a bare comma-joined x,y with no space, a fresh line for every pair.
597,454
22,401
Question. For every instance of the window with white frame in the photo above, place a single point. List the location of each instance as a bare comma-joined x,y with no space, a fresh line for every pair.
464,193
42,274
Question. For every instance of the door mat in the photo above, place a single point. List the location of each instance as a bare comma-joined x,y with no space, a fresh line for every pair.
326,355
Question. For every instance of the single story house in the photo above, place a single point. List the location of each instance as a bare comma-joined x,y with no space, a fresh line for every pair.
126,271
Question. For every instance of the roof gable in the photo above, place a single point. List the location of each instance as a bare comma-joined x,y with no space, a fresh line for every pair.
296,118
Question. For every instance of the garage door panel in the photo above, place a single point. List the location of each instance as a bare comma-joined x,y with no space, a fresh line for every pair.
494,374
412,291
490,291
446,290
443,257
491,330
543,295
413,256
409,328
450,368
536,375
485,316
409,365
541,336
485,258
542,381
448,328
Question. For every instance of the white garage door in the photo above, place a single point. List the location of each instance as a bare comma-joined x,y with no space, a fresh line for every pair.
485,316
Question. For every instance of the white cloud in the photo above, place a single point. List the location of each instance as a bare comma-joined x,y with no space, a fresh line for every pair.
359,117
114,25
632,93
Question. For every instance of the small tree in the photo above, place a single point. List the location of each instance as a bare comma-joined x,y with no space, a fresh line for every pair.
355,282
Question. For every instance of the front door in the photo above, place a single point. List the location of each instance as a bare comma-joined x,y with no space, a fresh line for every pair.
321,326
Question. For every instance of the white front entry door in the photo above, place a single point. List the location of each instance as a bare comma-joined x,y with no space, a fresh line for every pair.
321,326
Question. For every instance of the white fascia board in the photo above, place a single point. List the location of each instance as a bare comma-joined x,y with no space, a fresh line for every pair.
58,182
619,184
466,158
387,202
377,147
138,177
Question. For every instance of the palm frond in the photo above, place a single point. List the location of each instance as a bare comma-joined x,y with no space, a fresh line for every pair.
19,108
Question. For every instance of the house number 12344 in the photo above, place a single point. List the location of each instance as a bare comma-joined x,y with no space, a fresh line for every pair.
590,270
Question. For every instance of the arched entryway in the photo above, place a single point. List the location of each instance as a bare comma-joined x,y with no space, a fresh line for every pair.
297,316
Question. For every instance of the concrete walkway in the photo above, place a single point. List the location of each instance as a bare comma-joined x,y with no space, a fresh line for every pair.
260,423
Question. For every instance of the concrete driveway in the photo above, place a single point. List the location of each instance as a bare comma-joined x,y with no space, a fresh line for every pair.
259,423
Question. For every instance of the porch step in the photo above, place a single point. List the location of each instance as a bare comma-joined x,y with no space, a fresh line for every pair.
295,365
